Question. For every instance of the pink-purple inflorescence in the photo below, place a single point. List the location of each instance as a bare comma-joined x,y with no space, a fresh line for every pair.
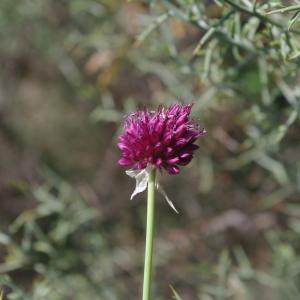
164,138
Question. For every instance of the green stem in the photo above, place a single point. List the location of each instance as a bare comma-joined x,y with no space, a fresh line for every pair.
149,237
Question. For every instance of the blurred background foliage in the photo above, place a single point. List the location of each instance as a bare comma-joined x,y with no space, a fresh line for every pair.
71,71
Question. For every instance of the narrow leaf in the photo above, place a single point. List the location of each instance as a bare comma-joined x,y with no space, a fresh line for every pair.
293,19
284,9
155,24
204,39
175,294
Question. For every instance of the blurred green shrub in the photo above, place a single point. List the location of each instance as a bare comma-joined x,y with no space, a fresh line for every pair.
72,69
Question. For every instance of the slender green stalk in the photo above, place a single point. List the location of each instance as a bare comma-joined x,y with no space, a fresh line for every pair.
149,237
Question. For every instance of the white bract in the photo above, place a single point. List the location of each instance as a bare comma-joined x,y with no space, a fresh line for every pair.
141,178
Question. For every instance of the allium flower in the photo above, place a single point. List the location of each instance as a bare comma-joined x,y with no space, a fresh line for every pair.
164,138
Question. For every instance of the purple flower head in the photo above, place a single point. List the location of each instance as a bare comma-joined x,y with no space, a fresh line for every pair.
164,138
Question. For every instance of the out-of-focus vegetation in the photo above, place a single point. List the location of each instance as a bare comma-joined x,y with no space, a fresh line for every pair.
70,71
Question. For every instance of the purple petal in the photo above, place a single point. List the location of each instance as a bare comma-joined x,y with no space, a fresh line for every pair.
173,170
174,160
125,161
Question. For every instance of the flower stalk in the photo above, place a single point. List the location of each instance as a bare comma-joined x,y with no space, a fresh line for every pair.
152,141
148,269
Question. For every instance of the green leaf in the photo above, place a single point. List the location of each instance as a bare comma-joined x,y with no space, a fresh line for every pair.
293,19
175,294
204,39
275,167
283,10
155,24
